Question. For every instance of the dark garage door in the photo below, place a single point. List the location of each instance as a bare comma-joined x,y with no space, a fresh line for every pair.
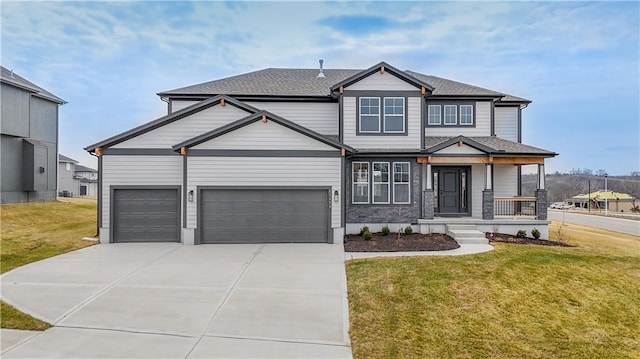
146,215
264,215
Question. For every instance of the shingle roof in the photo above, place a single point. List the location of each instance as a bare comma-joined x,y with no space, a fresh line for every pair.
601,195
495,145
304,82
11,77
63,158
81,168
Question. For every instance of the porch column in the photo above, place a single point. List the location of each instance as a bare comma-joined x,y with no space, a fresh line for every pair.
541,195
427,192
487,194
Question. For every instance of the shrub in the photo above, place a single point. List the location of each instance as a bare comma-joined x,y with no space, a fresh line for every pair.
364,229
367,235
521,234
535,233
385,231
408,230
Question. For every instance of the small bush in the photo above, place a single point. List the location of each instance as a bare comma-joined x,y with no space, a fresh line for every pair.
364,229
408,230
367,235
385,231
535,233
521,234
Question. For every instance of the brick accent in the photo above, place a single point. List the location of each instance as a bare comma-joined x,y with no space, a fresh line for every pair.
541,198
487,204
427,204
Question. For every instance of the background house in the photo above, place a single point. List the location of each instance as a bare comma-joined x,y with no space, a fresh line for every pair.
617,201
29,140
68,181
88,180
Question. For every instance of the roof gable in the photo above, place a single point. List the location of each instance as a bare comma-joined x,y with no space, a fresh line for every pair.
175,116
260,116
382,67
11,78
490,145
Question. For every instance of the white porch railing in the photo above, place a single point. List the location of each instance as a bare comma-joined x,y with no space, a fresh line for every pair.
515,207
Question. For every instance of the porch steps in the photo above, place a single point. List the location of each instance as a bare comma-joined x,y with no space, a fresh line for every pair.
466,234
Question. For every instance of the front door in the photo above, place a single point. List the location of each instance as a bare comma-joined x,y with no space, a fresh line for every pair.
451,193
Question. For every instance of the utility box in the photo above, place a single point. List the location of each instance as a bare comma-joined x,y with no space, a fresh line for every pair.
35,165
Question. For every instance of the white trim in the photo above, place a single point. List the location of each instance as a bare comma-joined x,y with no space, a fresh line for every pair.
354,183
408,183
439,115
455,108
470,114
384,114
360,114
374,183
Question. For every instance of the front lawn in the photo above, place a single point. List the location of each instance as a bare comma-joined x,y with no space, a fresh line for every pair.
516,301
34,231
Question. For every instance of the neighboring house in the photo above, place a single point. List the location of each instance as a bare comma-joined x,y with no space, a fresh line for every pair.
615,201
88,180
307,155
29,140
68,182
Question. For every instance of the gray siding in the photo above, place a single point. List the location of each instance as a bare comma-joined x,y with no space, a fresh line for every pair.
384,213
321,117
177,105
66,182
15,111
263,172
409,141
137,170
381,81
505,181
44,120
186,128
506,123
264,136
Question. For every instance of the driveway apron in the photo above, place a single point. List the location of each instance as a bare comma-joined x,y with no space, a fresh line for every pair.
175,301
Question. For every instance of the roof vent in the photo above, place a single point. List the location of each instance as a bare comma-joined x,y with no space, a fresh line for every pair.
11,75
321,73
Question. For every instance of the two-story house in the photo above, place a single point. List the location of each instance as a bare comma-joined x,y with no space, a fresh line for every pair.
68,181
88,180
28,140
307,155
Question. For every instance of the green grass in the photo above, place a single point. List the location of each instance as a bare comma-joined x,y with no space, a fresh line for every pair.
34,231
518,301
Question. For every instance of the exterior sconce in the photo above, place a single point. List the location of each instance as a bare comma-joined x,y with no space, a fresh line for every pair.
336,197
41,169
190,196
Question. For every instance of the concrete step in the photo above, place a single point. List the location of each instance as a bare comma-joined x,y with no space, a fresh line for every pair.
468,227
472,240
467,236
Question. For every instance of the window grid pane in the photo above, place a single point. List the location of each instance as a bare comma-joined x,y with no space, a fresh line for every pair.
369,114
380,182
466,115
394,114
434,115
450,114
360,179
401,182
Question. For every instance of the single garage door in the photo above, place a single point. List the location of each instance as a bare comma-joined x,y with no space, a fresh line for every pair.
146,215
264,215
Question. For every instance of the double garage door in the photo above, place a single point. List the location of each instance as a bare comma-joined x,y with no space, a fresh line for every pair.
224,215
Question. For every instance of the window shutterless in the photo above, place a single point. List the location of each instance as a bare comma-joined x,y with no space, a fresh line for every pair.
450,114
381,182
369,114
466,115
360,180
401,183
435,115
394,115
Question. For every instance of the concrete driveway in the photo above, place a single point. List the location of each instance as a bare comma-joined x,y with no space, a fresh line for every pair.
170,300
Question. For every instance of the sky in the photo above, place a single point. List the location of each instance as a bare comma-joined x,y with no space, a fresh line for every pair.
579,62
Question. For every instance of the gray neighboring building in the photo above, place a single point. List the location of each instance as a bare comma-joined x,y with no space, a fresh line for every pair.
88,180
29,140
68,181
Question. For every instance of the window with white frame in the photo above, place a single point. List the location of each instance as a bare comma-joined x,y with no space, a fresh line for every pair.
370,114
380,182
466,115
450,114
394,114
360,179
68,166
401,182
435,115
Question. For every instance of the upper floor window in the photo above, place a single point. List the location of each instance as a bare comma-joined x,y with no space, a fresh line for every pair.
68,166
435,117
450,114
466,115
370,114
382,115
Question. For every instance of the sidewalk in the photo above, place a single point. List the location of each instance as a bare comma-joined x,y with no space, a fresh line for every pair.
463,250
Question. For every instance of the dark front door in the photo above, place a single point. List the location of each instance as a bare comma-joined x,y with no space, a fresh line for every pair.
451,186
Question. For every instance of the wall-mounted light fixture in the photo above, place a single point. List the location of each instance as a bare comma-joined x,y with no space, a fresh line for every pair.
190,196
41,169
336,197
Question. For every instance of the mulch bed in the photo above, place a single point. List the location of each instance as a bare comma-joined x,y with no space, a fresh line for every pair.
508,238
407,243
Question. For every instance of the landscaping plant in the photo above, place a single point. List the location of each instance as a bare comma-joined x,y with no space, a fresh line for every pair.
367,235
535,233
521,234
386,230
408,230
